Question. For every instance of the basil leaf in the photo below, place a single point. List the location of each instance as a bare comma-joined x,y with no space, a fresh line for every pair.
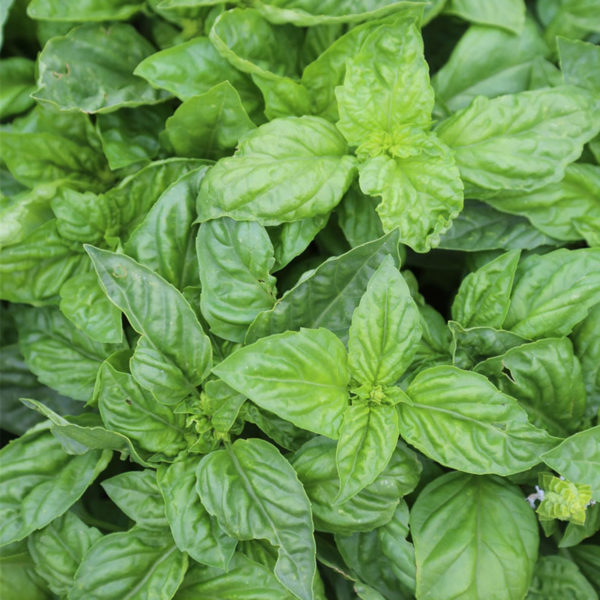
554,575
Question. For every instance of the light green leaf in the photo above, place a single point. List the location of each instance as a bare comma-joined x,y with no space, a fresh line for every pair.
569,18
83,10
61,356
130,136
327,296
574,534
5,6
245,579
545,376
155,309
209,124
556,577
475,537
553,292
85,304
164,240
301,376
138,564
420,195
283,96
234,260
459,419
57,550
580,63
488,61
357,217
254,493
586,340
368,437
483,297
127,408
372,507
194,530
136,494
385,329
39,481
285,170
555,208
578,459
519,141
222,404
379,102
511,17
91,69
17,76
18,578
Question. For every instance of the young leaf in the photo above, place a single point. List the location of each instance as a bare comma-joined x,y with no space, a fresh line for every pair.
254,493
300,376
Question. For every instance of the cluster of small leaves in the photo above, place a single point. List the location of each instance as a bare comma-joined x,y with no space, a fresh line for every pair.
300,299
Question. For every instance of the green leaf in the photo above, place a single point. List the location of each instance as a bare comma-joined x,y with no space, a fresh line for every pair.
315,463
222,404
483,297
480,227
245,579
553,292
587,557
136,493
172,334
580,63
234,260
254,184
368,437
519,141
58,549
127,408
91,69
39,481
139,564
569,18
209,124
459,419
18,578
586,340
575,533
254,493
301,376
511,17
474,537
327,296
379,101
283,96
556,208
193,68
164,240
385,329
17,75
578,458
420,195
62,356
86,10
130,136
545,376
357,217
194,530
556,577
84,303
488,61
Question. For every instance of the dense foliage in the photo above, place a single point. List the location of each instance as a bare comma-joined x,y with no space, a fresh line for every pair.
300,300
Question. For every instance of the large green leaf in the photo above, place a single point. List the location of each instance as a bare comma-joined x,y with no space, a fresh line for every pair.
553,292
138,564
578,459
556,578
483,297
459,419
327,296
385,329
511,17
91,69
39,481
315,463
254,493
234,259
519,141
86,10
57,550
195,531
586,340
172,335
301,376
475,537
285,170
